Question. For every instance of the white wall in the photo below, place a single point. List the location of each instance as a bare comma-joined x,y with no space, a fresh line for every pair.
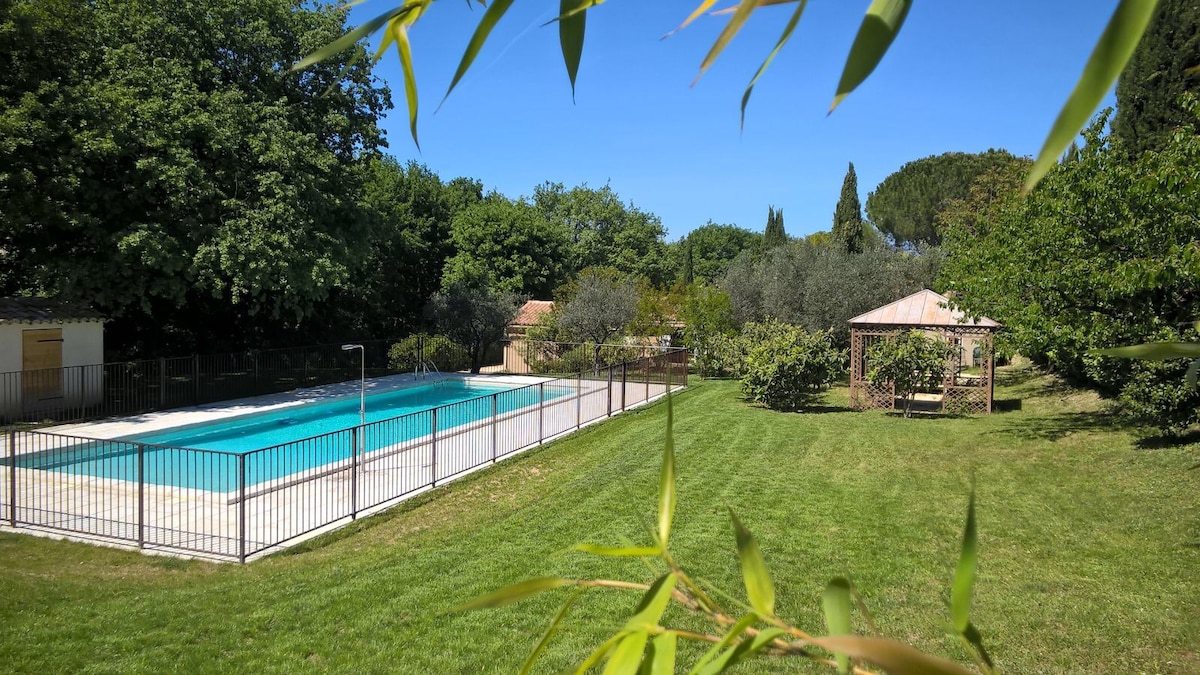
83,345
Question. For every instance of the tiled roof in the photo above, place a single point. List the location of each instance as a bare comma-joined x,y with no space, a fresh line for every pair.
531,311
44,310
923,308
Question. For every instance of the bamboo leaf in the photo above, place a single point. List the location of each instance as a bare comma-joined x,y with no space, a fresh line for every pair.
964,576
787,34
627,656
490,18
550,630
399,33
661,658
666,481
599,653
744,9
571,26
894,657
620,551
735,631
836,603
513,593
741,651
1108,59
1155,351
700,9
347,40
654,603
879,28
759,589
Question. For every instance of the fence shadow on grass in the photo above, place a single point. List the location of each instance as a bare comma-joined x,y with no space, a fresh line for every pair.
1168,441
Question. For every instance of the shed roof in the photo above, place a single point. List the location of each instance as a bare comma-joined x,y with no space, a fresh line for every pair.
44,310
923,308
531,311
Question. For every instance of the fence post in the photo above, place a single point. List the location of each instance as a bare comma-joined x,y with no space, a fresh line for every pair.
12,478
242,508
195,379
610,383
254,355
353,473
647,378
495,422
579,402
141,473
624,381
541,412
433,432
162,382
667,356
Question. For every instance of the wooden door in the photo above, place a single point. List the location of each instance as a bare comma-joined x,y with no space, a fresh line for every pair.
41,363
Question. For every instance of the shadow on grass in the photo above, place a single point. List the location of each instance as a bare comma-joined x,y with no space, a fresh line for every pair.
1168,441
1005,405
1055,427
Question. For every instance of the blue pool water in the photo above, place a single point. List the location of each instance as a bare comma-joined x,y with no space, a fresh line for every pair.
281,442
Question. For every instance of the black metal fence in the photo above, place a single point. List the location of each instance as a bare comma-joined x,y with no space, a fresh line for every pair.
80,393
232,505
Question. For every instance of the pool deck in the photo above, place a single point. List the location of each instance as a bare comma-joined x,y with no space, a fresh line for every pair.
269,517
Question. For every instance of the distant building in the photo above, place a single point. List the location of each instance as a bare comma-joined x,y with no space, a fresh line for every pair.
43,346
527,317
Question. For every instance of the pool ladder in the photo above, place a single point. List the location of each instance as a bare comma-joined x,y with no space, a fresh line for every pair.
424,368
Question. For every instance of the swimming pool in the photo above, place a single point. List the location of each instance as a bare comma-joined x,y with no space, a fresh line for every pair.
278,443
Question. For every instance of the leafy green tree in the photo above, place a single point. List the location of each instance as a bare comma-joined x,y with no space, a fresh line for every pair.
509,245
601,305
774,234
1102,254
905,205
604,231
743,285
707,317
687,274
1161,70
162,164
473,316
786,367
911,361
714,246
847,216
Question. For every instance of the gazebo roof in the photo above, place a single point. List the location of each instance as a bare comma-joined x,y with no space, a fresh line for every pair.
924,309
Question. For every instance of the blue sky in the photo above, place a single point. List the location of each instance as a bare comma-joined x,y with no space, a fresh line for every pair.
962,76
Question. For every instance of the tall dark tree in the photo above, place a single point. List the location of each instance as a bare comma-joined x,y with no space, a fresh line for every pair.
688,275
847,216
1148,93
162,163
905,205
774,235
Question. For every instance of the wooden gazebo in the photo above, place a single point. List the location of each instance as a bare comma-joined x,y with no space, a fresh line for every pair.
933,313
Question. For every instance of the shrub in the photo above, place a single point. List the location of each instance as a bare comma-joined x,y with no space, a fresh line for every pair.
1158,395
786,366
911,361
446,354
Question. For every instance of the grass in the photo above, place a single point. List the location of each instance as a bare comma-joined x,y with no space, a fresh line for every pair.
1090,548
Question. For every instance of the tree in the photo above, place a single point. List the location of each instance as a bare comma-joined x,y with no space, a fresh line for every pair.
1102,254
508,245
162,164
847,216
911,361
601,305
774,235
904,206
604,231
688,274
1149,105
786,367
473,316
714,246
707,316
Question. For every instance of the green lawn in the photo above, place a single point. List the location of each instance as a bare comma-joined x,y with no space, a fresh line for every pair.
1089,563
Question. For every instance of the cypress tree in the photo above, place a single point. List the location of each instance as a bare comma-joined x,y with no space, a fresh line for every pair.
1148,92
774,235
847,217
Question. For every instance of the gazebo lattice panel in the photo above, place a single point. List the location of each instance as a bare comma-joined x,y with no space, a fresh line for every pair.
966,400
